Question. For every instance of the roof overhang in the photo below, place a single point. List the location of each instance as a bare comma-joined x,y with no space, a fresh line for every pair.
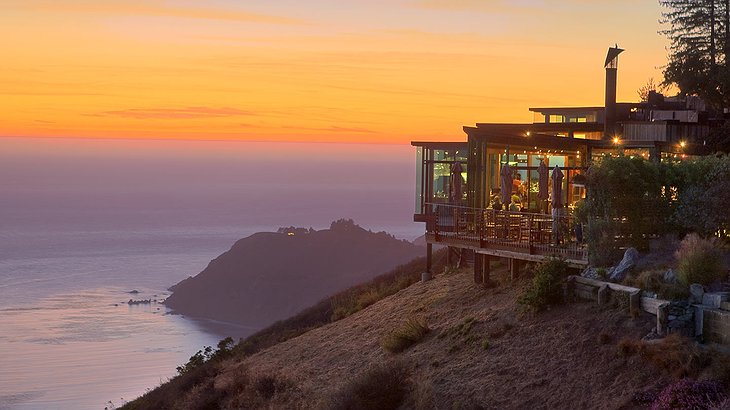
544,141
441,144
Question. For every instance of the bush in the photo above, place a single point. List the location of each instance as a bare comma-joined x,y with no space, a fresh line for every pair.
690,394
208,354
702,201
699,261
380,387
546,287
650,280
673,291
676,355
620,191
401,339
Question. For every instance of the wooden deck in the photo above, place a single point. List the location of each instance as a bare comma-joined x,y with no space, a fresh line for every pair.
515,235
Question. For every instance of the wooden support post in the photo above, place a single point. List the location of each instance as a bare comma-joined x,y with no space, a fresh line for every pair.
429,257
486,269
635,303
514,268
603,295
478,258
448,256
662,319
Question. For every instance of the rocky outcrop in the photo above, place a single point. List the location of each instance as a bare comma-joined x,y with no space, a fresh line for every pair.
270,276
619,272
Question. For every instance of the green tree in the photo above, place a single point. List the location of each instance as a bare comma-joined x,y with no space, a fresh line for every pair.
699,35
703,195
626,199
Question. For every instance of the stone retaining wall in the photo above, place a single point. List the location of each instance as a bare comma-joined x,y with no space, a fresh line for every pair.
716,326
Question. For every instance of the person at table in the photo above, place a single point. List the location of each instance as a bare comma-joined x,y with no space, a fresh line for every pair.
515,205
517,187
496,203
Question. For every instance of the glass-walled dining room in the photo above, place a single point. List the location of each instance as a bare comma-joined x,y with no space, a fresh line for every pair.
489,159
441,175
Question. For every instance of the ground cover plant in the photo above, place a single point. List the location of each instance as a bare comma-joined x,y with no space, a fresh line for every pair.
406,336
383,387
546,288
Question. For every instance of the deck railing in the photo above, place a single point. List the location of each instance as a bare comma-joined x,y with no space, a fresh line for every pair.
525,232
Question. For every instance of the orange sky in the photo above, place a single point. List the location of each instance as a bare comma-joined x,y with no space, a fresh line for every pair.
345,70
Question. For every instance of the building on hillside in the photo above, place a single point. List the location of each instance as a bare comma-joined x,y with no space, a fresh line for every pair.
463,199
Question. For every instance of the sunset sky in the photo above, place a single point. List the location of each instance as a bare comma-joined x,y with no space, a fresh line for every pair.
318,70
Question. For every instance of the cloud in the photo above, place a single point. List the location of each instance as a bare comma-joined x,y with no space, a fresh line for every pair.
501,6
333,129
149,8
175,113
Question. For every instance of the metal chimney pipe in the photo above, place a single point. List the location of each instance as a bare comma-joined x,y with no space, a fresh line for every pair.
611,65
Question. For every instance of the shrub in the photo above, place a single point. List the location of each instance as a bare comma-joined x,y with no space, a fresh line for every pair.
409,334
268,385
208,354
702,201
673,291
676,355
648,280
380,387
600,237
699,261
621,189
546,286
628,347
690,394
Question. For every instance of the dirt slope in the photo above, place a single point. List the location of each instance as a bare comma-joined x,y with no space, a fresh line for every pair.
563,358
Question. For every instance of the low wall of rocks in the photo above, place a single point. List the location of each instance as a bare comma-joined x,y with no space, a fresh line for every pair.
689,318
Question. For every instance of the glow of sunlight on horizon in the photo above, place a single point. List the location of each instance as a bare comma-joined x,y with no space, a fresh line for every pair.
346,71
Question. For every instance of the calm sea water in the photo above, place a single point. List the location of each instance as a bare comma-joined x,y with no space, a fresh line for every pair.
84,223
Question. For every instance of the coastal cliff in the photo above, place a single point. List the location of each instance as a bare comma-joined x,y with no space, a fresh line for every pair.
270,276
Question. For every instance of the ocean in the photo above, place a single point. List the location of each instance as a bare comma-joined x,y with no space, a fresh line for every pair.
87,225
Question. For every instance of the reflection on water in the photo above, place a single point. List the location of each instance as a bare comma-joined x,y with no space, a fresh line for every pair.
81,350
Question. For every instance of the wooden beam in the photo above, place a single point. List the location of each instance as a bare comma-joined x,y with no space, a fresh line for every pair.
429,257
486,269
478,268
514,268
651,305
599,283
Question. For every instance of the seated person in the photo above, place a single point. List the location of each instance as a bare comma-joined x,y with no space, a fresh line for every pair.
496,203
517,187
515,205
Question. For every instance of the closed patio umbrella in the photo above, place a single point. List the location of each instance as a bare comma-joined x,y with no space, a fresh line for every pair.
455,191
542,183
506,183
557,187
557,205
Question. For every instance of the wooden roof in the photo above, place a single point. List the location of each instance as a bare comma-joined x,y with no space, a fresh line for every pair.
496,135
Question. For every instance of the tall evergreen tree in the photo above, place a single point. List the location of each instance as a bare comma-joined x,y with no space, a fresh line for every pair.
699,62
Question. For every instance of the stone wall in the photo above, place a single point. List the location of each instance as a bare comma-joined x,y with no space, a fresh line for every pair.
716,326
705,315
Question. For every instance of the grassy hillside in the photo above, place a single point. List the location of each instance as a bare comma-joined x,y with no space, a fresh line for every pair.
328,310
466,347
